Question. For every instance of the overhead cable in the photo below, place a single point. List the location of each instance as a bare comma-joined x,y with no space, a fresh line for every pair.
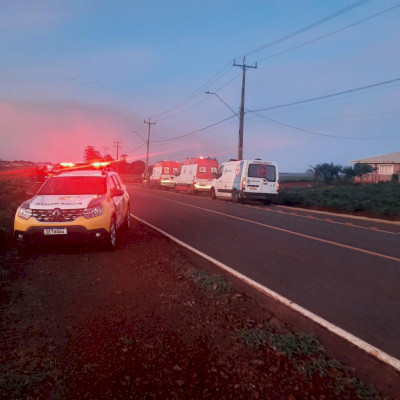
322,134
308,27
213,79
194,132
327,96
328,34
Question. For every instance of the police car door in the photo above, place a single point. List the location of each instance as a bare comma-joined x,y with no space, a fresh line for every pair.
119,201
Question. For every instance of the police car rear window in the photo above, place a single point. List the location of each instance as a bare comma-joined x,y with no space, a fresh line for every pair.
262,171
74,185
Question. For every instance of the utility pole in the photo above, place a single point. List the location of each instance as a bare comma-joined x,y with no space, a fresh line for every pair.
117,145
241,113
147,154
105,151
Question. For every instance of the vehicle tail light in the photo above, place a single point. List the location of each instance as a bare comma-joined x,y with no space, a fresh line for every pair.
243,183
277,185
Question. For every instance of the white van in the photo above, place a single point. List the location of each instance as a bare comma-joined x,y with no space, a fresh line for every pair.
163,175
241,180
196,174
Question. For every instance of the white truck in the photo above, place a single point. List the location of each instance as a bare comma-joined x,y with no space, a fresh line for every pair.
241,180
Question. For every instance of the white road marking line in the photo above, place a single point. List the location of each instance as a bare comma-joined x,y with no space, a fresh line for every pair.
345,246
361,344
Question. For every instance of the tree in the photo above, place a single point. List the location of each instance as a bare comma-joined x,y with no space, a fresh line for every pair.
328,172
363,169
358,170
108,158
91,154
137,167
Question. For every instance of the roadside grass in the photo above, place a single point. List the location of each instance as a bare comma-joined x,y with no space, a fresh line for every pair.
307,355
295,177
380,199
208,282
12,194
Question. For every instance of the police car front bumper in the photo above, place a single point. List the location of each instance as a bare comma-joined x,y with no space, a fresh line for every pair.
76,233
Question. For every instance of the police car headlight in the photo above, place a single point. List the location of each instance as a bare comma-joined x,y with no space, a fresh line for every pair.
24,213
93,212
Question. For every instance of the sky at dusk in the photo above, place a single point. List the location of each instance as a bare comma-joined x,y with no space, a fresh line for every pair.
83,73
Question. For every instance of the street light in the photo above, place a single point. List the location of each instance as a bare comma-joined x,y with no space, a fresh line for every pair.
240,147
208,92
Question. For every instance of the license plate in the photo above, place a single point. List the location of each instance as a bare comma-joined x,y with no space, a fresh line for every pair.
55,231
252,188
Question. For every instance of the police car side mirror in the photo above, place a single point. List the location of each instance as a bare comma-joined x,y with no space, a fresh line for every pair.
116,192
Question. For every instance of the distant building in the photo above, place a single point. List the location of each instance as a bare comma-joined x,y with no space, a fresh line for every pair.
385,167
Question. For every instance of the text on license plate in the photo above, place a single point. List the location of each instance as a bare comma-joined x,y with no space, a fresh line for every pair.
55,231
253,188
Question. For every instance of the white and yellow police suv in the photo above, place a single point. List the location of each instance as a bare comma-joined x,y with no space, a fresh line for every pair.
241,180
76,205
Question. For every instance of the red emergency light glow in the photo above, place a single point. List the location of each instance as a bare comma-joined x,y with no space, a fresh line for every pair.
100,164
67,164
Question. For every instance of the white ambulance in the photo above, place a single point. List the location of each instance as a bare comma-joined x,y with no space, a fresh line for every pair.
196,174
241,180
163,175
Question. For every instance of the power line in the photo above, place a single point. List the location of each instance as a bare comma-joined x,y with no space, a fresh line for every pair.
224,70
326,96
136,148
213,79
321,134
308,27
194,132
328,34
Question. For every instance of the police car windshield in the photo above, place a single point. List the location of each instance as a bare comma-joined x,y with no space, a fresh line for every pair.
74,185
262,171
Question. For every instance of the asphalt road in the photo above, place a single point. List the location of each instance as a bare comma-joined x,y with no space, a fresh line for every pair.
345,270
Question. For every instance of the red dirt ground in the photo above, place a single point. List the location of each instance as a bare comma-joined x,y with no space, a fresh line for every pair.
143,323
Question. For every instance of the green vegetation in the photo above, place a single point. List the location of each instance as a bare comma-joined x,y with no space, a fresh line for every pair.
307,356
12,194
380,199
296,177
330,172
208,282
